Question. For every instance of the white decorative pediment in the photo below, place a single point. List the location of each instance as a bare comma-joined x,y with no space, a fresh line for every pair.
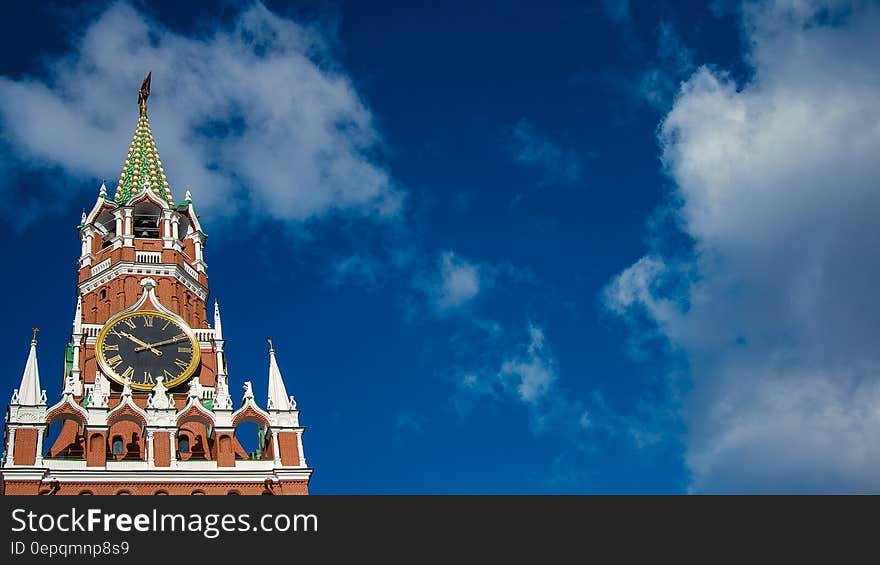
127,409
146,193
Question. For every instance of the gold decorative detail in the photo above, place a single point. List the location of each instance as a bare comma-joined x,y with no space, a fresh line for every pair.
36,331
144,93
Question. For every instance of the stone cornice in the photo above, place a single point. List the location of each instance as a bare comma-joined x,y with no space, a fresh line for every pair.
144,270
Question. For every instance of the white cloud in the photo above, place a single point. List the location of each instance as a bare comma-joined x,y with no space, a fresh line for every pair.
457,283
361,269
527,373
775,309
658,84
536,150
255,114
532,375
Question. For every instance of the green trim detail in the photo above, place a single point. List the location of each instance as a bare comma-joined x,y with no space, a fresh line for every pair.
68,361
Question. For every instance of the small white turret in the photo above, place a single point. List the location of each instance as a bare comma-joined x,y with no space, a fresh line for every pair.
278,397
29,392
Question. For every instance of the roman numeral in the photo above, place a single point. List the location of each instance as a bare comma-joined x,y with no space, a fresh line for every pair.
130,323
117,333
148,321
111,347
181,363
115,361
148,378
179,336
182,349
168,323
168,375
128,372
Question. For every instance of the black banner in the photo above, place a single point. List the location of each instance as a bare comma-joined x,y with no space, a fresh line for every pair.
425,528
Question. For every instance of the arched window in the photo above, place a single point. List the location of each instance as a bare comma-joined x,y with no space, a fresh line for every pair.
146,220
102,295
105,224
117,446
85,492
123,492
183,228
161,492
183,444
198,492
233,492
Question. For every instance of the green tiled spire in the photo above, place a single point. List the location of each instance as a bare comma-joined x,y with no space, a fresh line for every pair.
142,165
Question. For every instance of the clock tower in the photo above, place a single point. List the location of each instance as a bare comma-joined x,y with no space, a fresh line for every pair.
146,405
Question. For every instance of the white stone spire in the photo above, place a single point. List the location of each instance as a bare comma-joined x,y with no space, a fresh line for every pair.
278,398
75,341
218,325
29,392
77,318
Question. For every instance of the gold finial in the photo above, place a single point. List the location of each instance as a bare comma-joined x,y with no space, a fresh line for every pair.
144,93
36,331
271,347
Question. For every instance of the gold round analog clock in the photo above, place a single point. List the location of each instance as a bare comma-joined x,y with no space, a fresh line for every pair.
144,345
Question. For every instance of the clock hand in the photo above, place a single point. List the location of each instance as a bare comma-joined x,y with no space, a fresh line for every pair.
144,344
158,343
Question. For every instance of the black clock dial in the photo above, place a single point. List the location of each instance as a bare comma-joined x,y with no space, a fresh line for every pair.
144,345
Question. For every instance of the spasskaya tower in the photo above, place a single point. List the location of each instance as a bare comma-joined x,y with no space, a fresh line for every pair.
146,405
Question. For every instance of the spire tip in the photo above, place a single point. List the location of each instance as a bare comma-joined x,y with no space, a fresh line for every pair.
144,93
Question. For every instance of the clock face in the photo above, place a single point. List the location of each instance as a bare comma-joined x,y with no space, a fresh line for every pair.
144,345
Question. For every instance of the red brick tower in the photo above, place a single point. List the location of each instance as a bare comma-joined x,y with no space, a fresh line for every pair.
146,407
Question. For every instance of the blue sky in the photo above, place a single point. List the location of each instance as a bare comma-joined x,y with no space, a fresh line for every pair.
600,247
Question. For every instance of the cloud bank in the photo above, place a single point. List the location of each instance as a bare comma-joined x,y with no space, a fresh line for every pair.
774,306
255,114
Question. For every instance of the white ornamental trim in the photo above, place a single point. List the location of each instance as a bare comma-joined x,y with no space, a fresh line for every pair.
101,267
190,271
139,269
175,475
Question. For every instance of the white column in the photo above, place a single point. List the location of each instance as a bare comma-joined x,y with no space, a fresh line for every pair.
173,454
150,446
167,240
128,232
74,370
10,449
299,446
221,365
85,257
175,232
276,449
39,460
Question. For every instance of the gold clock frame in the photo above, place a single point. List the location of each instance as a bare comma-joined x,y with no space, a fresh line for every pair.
114,376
